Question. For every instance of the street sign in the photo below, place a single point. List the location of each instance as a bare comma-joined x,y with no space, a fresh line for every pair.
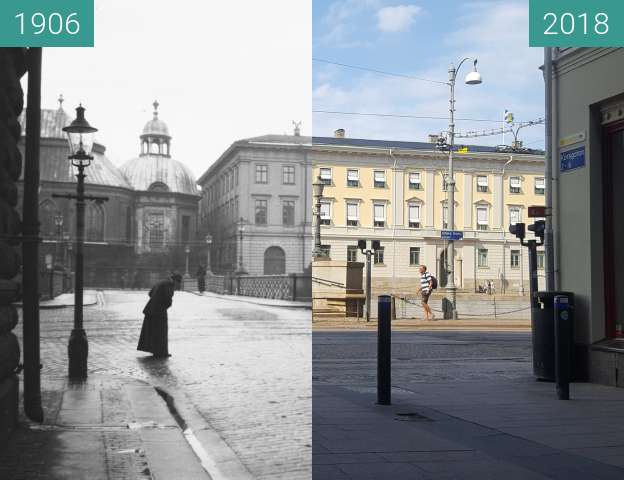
451,235
572,159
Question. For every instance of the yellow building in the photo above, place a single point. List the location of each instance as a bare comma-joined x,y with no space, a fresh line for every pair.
395,192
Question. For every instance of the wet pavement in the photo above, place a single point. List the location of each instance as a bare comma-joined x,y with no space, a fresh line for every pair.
245,368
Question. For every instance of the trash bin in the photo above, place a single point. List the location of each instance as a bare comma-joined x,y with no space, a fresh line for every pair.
543,329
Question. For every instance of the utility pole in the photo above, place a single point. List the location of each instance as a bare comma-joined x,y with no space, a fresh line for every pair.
548,233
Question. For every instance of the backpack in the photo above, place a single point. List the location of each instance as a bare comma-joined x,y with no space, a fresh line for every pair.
434,283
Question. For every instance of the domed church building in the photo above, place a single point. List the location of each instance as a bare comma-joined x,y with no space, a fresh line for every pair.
136,237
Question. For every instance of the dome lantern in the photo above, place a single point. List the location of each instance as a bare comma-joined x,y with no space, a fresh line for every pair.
155,139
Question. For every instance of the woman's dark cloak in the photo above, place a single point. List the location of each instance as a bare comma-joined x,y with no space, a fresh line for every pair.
154,333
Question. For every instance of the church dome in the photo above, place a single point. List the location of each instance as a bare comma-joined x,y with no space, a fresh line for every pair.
154,169
159,173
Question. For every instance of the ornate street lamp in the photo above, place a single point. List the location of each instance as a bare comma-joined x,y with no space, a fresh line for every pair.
473,78
241,229
317,192
80,139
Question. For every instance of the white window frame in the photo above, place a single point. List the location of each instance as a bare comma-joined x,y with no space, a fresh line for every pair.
541,180
515,184
415,220
445,225
356,177
483,224
379,219
379,178
326,175
482,183
355,217
515,254
326,216
414,185
410,256
519,219
482,264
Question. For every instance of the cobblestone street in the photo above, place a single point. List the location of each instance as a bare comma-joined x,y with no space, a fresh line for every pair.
246,368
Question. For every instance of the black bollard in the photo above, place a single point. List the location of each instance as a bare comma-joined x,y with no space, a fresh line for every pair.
384,341
563,332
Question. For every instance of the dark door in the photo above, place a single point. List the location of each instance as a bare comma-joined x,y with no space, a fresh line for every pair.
613,180
274,261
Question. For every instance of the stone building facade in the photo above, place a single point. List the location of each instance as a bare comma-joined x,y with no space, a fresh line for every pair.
12,68
395,192
262,186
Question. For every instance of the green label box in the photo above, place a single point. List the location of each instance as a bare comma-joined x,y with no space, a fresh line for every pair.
576,23
46,23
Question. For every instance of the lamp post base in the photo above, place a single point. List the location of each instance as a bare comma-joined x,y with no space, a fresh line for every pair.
453,293
78,350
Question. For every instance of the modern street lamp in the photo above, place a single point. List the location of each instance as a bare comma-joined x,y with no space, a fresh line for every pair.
80,139
241,229
473,78
317,192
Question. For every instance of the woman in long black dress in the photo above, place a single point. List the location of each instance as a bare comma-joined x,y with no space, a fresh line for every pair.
154,333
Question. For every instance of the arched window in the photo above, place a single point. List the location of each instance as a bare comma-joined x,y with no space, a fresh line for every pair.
158,187
94,223
274,261
154,148
47,211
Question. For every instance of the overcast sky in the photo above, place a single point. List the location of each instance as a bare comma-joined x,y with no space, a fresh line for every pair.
222,71
422,38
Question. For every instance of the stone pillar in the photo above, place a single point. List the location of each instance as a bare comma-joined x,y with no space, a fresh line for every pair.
12,67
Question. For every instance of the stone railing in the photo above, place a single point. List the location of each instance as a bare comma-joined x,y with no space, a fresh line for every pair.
293,287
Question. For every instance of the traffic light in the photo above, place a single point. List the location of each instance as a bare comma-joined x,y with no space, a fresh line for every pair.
538,228
362,245
376,245
518,230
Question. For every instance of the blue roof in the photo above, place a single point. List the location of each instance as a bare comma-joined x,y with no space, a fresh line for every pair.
363,142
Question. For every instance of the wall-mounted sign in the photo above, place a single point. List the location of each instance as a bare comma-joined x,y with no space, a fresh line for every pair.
451,235
572,159
572,139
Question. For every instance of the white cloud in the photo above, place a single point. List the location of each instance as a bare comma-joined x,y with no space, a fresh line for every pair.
397,18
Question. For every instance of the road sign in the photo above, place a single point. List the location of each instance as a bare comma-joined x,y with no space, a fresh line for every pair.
572,159
451,235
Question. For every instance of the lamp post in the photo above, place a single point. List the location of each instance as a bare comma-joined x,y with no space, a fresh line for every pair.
473,78
80,137
241,229
58,222
317,192
209,243
187,251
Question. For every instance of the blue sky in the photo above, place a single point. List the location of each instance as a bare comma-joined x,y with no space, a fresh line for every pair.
422,38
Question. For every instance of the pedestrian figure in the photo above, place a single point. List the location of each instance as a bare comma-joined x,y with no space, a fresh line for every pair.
489,287
154,333
177,280
201,278
426,286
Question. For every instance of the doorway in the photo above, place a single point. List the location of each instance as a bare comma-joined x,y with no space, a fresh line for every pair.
613,171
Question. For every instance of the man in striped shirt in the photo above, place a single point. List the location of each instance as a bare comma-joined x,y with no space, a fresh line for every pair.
426,286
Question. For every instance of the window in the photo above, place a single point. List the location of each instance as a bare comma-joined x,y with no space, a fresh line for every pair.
379,256
444,217
262,173
539,186
515,258
352,254
445,182
288,213
414,255
379,214
325,213
94,222
380,179
482,218
326,176
353,178
482,183
326,250
352,214
156,227
514,184
261,212
514,215
483,258
540,260
186,228
288,175
414,181
414,216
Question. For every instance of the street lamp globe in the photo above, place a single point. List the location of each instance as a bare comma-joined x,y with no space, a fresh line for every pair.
80,136
317,188
474,77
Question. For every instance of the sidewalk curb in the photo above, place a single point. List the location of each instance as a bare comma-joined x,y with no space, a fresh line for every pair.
237,298
215,455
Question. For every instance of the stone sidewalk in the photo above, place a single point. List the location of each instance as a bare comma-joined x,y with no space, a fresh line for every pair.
469,430
488,324
113,428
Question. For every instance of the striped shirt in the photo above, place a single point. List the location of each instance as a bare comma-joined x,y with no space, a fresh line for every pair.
425,280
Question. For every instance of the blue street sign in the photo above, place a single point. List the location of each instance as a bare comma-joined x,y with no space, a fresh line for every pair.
451,235
572,159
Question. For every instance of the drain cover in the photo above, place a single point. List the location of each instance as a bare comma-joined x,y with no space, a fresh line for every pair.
412,417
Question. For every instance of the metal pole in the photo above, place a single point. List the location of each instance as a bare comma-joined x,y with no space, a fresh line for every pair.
78,348
317,229
240,254
548,230
563,333
450,192
30,245
368,284
532,244
384,349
